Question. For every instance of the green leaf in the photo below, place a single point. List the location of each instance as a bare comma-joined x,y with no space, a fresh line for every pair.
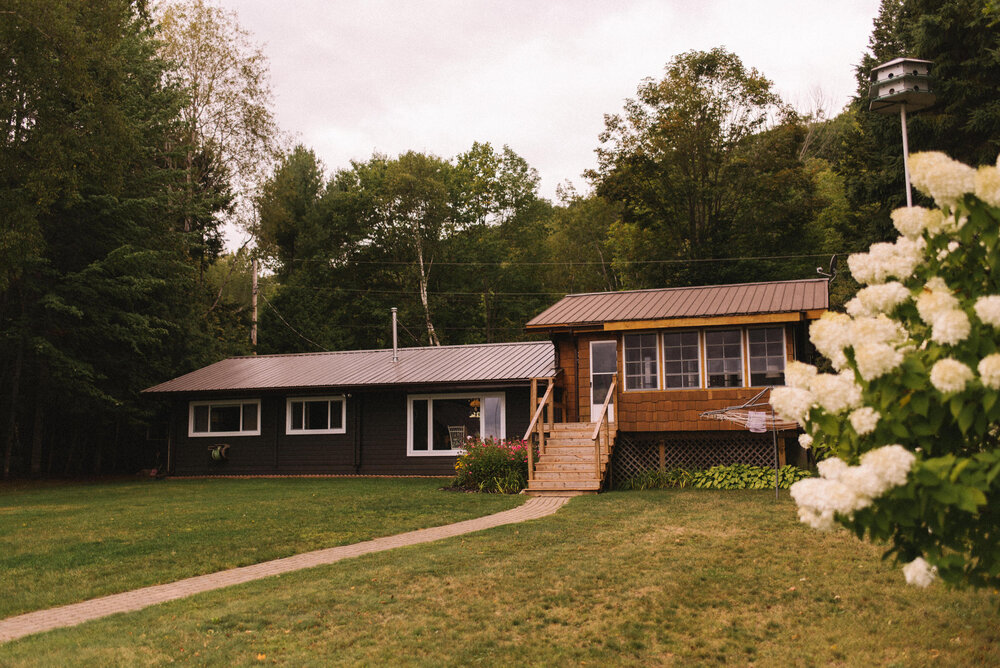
970,499
967,416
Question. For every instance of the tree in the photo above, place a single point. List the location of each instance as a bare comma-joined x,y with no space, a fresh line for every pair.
98,299
374,235
683,164
910,421
231,135
962,37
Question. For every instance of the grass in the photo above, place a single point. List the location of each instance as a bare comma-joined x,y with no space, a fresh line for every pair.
627,578
64,543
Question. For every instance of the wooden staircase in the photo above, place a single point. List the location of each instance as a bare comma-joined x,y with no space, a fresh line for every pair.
567,467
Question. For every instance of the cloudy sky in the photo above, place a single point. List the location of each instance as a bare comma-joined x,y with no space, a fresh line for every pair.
354,77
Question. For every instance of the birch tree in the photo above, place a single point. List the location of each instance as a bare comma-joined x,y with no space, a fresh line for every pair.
230,129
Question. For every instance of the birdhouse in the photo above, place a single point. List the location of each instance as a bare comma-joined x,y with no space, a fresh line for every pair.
903,83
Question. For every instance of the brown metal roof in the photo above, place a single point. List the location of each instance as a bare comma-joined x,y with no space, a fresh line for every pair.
499,362
694,302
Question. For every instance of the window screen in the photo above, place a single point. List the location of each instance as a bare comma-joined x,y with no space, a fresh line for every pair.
681,365
724,358
767,356
640,362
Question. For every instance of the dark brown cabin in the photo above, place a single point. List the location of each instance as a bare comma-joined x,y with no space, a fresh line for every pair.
354,412
669,355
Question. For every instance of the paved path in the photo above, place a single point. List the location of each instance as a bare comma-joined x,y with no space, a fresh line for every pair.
77,613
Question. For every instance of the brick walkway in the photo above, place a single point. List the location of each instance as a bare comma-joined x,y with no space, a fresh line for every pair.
77,613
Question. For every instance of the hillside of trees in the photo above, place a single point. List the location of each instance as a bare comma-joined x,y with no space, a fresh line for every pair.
120,165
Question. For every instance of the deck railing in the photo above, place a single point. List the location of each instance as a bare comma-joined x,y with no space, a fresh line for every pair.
602,427
539,425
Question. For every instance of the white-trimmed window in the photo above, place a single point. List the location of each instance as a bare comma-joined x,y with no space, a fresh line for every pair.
641,363
724,357
440,424
238,417
316,415
767,356
682,359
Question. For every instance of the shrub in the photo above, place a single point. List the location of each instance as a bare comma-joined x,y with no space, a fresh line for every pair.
495,466
734,476
911,418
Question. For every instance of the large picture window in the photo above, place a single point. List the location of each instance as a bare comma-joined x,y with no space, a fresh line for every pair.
641,368
724,357
441,424
767,356
224,418
315,415
682,366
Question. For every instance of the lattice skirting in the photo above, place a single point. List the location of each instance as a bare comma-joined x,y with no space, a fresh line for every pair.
636,453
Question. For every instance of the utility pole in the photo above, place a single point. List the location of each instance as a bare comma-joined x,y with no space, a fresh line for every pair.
253,303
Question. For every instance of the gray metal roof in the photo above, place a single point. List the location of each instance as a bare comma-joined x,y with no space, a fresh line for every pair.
694,302
491,362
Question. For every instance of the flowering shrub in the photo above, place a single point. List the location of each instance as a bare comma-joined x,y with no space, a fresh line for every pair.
734,476
493,466
911,418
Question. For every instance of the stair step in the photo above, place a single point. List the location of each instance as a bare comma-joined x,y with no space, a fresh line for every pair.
578,450
545,476
563,484
569,440
576,465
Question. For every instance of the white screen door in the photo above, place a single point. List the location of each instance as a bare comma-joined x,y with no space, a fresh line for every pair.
603,367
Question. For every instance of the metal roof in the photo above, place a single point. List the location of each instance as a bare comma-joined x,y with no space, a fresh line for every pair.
693,302
500,362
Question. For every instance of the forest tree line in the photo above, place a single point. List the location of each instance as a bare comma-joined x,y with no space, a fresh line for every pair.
120,166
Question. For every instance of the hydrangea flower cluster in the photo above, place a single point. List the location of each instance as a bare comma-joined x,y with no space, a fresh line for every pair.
916,360
842,489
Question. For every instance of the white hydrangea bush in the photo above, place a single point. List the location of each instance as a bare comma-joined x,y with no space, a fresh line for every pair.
909,419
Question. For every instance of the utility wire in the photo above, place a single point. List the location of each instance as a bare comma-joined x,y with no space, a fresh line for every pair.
297,332
516,263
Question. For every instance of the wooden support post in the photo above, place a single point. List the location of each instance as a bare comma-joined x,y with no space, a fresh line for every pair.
550,405
531,462
781,452
663,456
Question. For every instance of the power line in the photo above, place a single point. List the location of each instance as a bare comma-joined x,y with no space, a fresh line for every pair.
582,263
297,332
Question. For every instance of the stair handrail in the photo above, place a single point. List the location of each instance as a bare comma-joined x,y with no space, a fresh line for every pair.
541,407
602,421
604,408
545,402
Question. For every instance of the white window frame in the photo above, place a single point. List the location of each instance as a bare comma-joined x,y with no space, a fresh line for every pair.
746,351
306,432
429,452
221,402
658,363
702,377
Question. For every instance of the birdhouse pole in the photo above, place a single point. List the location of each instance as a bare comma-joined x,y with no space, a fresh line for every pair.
898,85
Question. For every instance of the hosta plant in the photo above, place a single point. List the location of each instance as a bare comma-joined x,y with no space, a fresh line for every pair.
909,421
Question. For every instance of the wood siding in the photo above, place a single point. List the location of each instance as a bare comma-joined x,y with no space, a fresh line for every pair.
374,442
649,410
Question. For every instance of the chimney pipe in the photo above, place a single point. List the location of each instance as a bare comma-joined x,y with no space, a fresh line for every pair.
395,345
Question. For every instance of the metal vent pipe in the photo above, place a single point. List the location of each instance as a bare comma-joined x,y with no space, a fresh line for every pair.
395,344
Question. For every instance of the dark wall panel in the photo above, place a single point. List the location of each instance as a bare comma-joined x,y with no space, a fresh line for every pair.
375,436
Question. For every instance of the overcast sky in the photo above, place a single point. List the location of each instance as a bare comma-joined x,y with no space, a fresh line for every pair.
354,77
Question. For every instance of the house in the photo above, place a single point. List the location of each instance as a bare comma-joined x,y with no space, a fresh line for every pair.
356,412
659,359
620,387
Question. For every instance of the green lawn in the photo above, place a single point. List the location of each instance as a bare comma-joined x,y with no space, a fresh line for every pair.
685,577
66,543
